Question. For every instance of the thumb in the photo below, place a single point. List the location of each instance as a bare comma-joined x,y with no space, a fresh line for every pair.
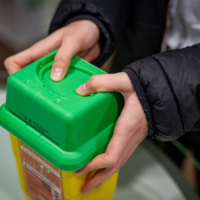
105,83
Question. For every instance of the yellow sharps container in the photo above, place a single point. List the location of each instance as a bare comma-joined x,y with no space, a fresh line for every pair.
56,132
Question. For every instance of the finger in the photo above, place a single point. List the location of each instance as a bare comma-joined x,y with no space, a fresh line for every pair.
38,50
132,119
78,37
103,174
117,145
130,130
69,47
97,179
118,82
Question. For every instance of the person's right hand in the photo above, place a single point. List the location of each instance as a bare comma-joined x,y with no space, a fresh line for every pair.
78,38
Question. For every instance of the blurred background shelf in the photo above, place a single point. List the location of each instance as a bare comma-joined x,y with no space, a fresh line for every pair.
22,23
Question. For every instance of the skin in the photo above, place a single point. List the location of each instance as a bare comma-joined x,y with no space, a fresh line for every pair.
78,38
82,38
130,130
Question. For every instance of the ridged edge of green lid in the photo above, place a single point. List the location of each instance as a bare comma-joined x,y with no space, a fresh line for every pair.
63,160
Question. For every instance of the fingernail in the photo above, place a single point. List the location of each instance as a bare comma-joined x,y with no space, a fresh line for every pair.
86,192
81,89
56,74
80,173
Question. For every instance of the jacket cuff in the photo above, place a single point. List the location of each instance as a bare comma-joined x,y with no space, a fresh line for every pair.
143,100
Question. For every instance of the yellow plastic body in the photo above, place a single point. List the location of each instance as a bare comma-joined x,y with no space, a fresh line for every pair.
71,182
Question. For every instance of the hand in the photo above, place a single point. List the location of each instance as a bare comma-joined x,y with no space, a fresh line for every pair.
131,128
79,37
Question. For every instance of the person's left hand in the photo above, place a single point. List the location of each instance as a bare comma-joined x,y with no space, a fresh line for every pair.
130,130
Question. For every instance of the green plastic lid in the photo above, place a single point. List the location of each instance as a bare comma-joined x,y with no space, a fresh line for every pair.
67,129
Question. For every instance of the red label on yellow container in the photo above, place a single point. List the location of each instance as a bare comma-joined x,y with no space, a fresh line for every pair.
43,180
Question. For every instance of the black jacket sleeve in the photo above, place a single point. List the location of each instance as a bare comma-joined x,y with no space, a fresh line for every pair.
168,86
109,15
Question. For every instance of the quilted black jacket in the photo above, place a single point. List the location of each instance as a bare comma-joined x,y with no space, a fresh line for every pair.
167,84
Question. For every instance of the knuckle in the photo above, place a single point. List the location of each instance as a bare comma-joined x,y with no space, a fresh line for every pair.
123,163
7,62
59,59
90,168
113,161
93,82
95,182
116,169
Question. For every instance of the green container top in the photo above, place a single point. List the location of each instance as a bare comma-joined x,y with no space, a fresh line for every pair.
67,129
